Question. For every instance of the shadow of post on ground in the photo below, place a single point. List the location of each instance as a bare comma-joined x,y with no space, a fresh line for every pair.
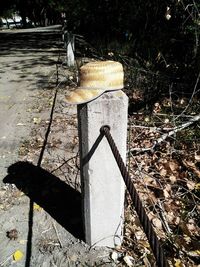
57,198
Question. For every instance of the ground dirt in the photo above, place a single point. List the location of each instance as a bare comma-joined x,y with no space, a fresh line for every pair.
48,233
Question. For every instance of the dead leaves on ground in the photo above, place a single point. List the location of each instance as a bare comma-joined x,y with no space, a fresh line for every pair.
191,166
167,181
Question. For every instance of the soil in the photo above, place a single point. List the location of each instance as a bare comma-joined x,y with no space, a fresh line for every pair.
48,233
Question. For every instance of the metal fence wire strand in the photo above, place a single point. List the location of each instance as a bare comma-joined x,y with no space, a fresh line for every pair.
145,222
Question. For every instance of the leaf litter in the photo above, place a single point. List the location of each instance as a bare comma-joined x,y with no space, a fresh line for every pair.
167,180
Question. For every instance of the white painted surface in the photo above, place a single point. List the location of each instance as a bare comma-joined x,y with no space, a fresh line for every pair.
69,41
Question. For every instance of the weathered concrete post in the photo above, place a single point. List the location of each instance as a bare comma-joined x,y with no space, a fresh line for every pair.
101,102
69,45
102,185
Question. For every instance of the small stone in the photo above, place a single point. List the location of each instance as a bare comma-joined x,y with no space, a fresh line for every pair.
114,256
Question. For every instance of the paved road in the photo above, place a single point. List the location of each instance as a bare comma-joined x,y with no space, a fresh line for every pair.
48,237
27,59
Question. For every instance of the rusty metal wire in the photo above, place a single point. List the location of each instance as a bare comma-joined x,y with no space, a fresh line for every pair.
145,222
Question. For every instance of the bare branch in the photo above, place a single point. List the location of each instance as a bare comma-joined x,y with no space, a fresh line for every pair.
166,135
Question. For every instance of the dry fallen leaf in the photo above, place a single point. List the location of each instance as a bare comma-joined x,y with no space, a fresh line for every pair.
148,180
172,218
140,235
36,120
191,165
37,207
192,227
174,166
17,255
190,185
167,191
195,253
184,228
177,263
22,241
129,261
197,186
172,178
163,172
157,223
197,157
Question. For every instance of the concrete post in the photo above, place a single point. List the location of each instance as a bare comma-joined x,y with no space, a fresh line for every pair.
69,41
102,185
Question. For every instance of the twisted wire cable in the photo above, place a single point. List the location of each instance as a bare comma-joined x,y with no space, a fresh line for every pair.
145,222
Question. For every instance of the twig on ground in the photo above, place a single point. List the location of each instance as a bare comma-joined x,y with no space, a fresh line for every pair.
151,128
54,226
163,218
4,262
65,162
